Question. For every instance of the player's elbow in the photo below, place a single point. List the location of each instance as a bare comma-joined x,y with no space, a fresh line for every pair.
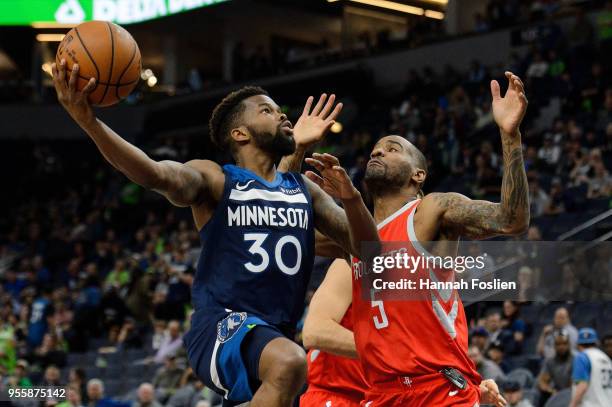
516,227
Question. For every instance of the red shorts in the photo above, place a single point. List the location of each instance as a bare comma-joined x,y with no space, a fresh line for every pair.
322,398
427,391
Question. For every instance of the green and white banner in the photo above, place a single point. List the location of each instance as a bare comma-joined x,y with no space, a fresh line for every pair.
26,12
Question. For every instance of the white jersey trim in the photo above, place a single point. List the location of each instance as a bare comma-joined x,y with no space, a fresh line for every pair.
396,214
412,235
275,196
214,375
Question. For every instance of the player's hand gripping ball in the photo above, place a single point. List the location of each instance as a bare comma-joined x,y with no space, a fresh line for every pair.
106,52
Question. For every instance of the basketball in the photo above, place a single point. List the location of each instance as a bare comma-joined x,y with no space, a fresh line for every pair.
106,52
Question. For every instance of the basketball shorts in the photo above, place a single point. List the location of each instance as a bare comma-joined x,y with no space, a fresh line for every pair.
224,349
323,398
425,391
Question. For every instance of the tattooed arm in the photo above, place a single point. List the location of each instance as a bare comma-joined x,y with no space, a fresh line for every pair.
461,216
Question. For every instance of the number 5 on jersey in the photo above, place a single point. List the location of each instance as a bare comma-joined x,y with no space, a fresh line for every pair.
381,322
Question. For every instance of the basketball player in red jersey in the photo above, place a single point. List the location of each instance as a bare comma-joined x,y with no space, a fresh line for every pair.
404,345
335,377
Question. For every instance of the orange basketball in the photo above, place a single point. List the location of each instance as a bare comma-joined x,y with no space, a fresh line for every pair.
106,52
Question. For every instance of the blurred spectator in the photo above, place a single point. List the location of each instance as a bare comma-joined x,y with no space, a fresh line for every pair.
513,393
171,342
561,321
50,352
78,380
167,378
118,277
591,373
52,376
20,376
495,353
556,373
550,152
600,183
95,393
556,199
191,392
485,367
41,310
513,323
480,338
73,398
538,199
146,396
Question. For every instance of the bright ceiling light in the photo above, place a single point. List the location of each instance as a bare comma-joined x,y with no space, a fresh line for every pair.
434,14
336,127
50,37
391,5
152,81
403,8
43,25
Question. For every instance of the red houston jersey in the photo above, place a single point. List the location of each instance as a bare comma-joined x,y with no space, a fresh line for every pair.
337,374
413,337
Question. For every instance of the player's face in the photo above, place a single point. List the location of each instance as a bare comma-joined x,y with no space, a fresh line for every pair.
391,163
269,127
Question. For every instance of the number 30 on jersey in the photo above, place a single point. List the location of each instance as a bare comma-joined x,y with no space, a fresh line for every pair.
257,249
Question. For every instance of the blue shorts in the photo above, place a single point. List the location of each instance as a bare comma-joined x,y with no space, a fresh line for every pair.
224,349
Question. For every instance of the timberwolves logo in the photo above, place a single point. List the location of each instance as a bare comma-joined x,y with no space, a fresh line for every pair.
227,327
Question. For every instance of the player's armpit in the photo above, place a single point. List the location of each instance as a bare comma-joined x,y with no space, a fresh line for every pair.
473,219
189,184
325,247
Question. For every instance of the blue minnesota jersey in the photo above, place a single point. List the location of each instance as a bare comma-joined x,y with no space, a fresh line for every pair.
257,248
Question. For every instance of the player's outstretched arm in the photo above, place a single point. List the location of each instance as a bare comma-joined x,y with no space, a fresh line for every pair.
322,329
310,128
349,227
183,184
474,219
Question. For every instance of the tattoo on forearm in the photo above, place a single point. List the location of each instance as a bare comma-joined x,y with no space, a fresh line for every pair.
515,195
483,219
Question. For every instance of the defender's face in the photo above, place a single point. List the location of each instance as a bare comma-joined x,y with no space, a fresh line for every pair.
391,162
268,125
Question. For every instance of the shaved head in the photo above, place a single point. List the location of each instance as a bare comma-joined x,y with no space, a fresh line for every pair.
395,163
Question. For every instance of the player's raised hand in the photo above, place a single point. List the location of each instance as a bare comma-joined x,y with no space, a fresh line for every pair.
73,100
315,122
333,179
489,394
508,111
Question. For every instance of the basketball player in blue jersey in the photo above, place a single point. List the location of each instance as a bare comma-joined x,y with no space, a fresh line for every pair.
257,230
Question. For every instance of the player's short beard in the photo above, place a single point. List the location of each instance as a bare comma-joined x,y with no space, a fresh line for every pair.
380,179
278,144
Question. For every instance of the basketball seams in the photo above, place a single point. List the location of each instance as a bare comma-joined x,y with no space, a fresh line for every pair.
112,61
97,46
124,71
76,30
110,84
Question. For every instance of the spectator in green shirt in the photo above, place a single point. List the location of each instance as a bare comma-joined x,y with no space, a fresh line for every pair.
20,376
119,276
8,358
